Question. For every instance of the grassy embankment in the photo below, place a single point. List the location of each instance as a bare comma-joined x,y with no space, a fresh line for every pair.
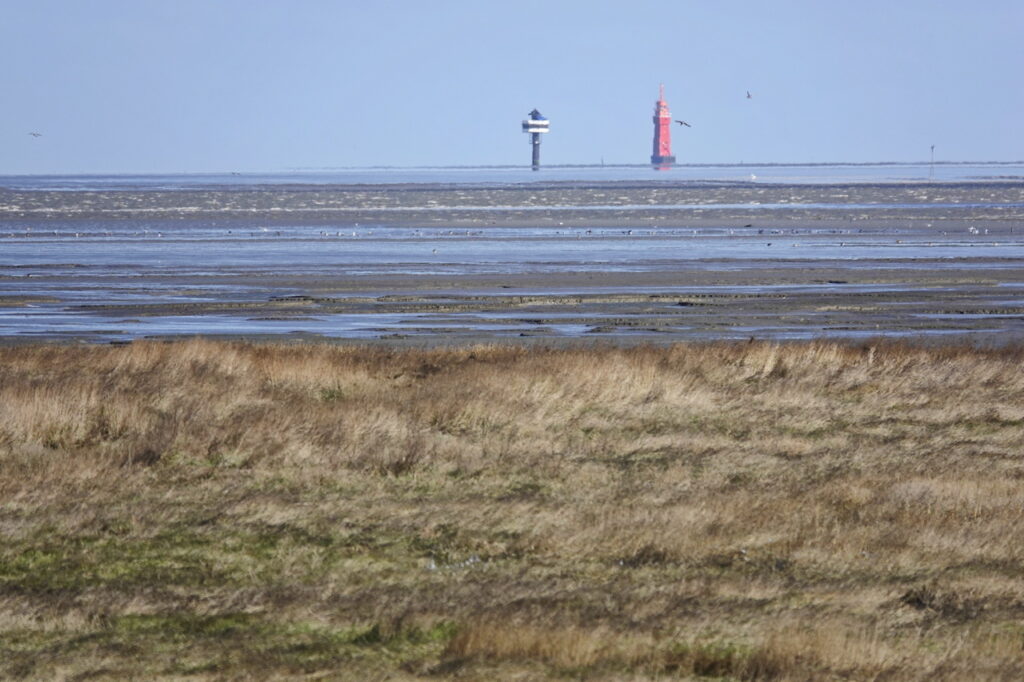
741,511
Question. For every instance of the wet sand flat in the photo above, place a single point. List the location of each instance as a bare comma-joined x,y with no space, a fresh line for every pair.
426,264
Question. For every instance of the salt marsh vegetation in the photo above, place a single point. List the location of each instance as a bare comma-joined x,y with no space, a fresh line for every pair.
212,510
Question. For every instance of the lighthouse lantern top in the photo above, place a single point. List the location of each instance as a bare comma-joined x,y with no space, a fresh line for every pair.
536,123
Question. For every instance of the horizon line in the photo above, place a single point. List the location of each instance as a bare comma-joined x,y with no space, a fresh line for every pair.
742,164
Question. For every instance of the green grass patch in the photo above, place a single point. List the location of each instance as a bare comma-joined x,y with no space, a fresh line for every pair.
77,563
184,556
186,643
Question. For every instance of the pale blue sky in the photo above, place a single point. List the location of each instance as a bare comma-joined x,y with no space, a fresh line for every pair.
263,85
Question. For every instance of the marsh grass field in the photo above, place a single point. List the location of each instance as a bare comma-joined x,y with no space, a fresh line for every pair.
218,510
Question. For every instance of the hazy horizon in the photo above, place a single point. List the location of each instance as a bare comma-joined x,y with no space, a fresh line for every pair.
518,167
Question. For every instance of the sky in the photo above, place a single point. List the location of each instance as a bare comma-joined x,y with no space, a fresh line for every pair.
164,86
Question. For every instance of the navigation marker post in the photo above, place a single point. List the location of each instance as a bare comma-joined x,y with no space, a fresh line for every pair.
535,125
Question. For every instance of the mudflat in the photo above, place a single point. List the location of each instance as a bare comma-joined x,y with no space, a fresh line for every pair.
430,264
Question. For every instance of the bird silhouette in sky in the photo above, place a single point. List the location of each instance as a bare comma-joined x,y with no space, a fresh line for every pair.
749,96
683,123
36,134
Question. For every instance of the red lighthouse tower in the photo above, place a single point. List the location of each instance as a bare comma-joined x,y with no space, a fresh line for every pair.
662,155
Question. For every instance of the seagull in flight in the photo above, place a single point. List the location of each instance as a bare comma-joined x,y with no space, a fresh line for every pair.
36,134
683,123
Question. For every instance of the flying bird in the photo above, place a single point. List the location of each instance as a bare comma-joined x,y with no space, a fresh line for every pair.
749,96
683,123
36,134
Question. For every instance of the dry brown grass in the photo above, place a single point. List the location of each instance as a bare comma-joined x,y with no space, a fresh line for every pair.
749,511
